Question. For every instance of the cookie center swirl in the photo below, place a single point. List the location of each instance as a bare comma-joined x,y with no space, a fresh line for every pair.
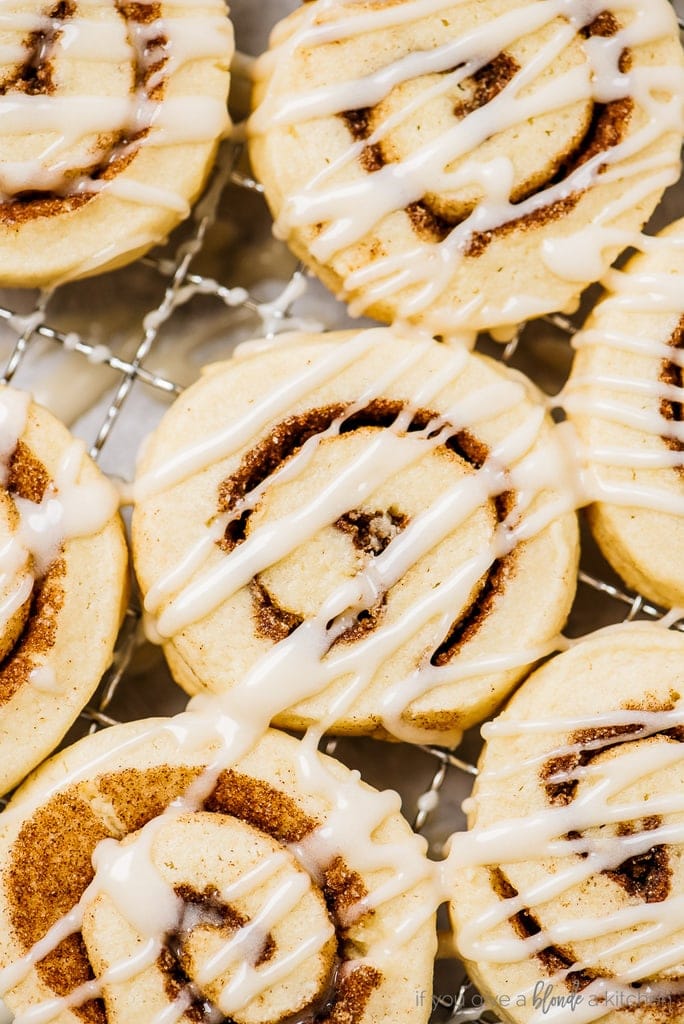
289,592
239,933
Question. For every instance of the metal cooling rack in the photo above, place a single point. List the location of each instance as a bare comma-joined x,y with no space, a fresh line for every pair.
115,340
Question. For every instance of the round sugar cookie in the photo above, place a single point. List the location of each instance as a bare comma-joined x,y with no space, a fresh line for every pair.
566,888
251,899
359,531
624,397
464,166
110,117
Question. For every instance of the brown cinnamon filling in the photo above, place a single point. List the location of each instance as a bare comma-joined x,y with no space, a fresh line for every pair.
593,742
28,478
39,634
210,911
49,870
36,77
673,375
639,876
488,81
272,621
646,876
370,532
51,866
463,631
607,128
554,958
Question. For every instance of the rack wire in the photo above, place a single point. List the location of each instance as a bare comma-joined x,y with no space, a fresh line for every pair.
182,282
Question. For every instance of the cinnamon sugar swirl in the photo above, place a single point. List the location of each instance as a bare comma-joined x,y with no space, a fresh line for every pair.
63,582
568,889
466,165
170,871
110,114
360,532
625,398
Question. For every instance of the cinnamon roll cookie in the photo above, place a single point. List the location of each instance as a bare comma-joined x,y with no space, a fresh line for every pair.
166,870
625,399
63,582
110,115
466,165
360,531
568,889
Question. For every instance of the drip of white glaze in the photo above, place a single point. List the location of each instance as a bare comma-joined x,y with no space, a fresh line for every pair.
44,679
68,509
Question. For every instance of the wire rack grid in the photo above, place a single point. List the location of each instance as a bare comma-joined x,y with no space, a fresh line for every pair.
180,286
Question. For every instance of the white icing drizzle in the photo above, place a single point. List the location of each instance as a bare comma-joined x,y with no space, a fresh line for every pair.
419,277
236,435
126,872
67,510
236,722
301,669
275,315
